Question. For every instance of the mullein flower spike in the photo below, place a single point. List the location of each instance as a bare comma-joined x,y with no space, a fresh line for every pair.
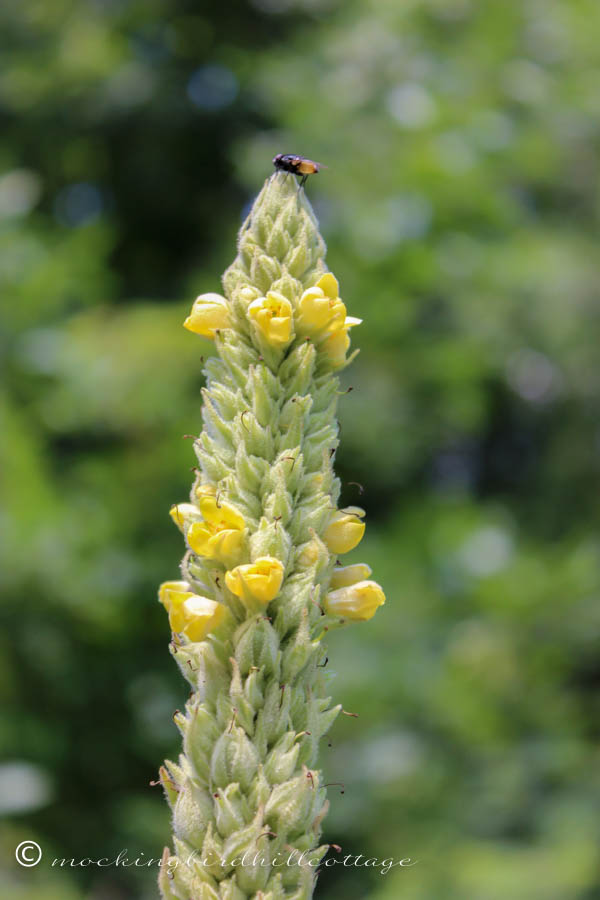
260,581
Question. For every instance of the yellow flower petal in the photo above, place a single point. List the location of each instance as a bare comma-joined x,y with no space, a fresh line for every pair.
172,595
209,313
311,295
167,587
322,316
220,513
320,310
272,317
329,285
345,530
201,616
280,330
189,613
256,583
182,512
318,314
358,602
220,535
226,545
198,535
221,544
336,346
344,576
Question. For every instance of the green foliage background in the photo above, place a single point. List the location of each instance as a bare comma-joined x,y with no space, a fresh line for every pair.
460,207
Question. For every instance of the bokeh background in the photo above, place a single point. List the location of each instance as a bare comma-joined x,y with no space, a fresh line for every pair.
460,207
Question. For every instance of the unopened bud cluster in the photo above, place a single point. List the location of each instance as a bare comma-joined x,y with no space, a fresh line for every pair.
261,581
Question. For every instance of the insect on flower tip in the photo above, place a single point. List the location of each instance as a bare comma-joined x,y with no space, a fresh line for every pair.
297,165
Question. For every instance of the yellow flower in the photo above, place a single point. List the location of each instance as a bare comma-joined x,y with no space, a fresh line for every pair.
221,533
347,575
345,530
189,613
217,511
168,587
202,616
259,581
358,602
320,310
336,345
272,316
209,313
182,512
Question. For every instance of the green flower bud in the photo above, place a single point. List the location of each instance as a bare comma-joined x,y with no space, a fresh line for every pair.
231,810
192,813
234,758
292,802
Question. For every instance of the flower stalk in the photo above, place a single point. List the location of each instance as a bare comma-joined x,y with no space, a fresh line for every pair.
260,581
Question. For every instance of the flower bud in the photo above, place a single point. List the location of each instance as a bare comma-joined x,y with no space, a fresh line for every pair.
231,810
234,759
358,602
192,812
345,530
312,553
246,294
344,576
257,646
258,582
290,804
209,314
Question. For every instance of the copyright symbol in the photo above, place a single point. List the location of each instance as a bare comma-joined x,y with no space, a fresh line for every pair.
28,853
